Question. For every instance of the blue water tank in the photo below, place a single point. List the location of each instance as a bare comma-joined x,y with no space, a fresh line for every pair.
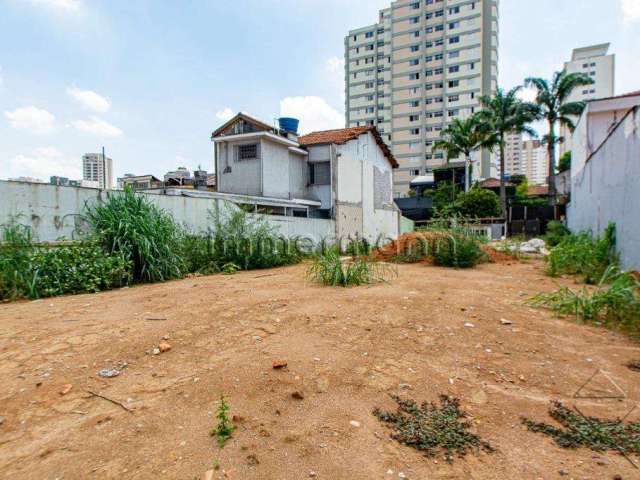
289,124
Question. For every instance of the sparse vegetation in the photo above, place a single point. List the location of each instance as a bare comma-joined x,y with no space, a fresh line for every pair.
430,428
556,233
594,433
615,302
457,250
225,427
582,254
330,269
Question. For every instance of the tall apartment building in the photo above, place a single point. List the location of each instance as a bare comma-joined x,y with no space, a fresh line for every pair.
513,161
596,62
423,64
97,169
535,161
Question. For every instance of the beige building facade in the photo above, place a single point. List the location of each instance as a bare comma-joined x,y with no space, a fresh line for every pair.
423,64
596,62
98,169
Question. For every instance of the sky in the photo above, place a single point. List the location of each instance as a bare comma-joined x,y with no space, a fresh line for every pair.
151,79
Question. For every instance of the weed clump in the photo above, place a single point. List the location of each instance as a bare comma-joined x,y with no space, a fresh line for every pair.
581,431
582,254
225,427
615,302
329,269
458,251
430,428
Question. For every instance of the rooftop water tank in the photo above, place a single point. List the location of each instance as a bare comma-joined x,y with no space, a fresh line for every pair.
289,125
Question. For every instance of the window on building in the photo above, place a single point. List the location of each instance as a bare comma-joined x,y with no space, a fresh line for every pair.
414,172
454,69
414,19
454,83
247,152
368,35
414,118
454,25
320,173
453,40
454,10
414,76
415,5
415,61
439,28
415,48
415,131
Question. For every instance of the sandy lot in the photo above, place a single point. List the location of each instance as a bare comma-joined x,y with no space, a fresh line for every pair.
346,349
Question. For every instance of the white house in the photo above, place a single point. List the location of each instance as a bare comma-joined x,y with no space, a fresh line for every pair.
344,175
605,173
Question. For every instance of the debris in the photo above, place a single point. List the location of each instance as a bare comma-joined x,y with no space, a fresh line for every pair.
297,395
156,319
504,321
563,472
252,460
115,402
469,325
635,365
164,347
354,423
313,474
109,372
66,389
278,364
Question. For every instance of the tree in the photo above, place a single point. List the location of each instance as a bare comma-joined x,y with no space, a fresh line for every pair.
502,114
461,137
552,100
564,163
478,203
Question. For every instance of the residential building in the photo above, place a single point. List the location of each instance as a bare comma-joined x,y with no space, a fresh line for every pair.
181,175
423,64
596,62
605,173
535,162
98,169
343,175
513,161
140,182
26,180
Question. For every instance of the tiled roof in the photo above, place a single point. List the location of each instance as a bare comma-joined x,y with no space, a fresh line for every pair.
493,183
538,190
343,135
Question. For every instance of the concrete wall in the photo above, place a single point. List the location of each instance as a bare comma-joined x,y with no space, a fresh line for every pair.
57,212
275,170
606,187
241,177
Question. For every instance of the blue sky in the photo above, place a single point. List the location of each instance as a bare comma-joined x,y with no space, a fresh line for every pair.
150,79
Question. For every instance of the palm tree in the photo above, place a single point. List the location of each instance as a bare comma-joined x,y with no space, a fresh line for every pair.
502,114
552,100
462,137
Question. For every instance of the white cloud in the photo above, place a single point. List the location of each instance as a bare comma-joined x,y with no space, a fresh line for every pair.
527,94
335,64
31,118
97,126
225,114
65,5
630,10
44,162
314,113
89,99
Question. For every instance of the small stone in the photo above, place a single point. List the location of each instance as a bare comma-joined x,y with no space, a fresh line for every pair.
322,384
252,460
354,423
278,364
164,347
155,351
405,386
109,372
401,475
66,389
522,379
504,321
469,325
389,472
313,474
563,472
183,443
297,395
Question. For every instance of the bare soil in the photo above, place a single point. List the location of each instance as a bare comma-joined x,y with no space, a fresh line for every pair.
346,350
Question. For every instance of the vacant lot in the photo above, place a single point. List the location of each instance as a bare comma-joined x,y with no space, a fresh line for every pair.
431,331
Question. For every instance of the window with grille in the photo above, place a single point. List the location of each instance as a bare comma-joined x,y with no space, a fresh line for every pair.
320,173
247,152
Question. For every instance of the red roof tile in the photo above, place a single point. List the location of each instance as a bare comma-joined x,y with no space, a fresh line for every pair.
343,135
493,183
538,190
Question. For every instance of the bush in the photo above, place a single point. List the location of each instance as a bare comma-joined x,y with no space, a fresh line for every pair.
132,226
582,254
478,203
329,269
31,271
556,232
457,250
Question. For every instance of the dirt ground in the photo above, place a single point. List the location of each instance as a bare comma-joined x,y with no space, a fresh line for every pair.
346,349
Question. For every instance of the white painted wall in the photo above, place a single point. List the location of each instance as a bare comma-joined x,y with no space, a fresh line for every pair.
606,187
57,212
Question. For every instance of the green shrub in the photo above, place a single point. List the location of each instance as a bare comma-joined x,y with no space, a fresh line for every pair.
556,232
32,271
358,247
456,250
329,269
478,203
132,226
615,302
582,254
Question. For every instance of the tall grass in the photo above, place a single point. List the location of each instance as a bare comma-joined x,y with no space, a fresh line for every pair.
331,270
458,251
615,302
29,270
145,235
584,255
